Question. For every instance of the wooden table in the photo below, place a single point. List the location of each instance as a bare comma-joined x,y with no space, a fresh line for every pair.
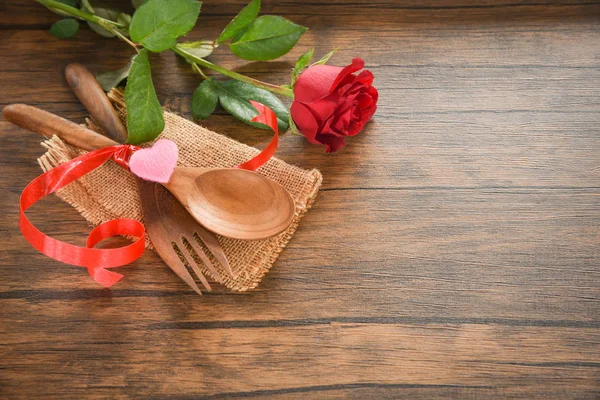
453,251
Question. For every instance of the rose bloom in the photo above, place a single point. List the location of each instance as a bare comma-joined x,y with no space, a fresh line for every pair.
331,103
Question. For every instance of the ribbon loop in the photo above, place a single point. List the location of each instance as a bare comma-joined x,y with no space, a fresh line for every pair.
95,260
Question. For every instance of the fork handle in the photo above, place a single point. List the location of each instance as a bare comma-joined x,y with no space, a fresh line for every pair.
47,124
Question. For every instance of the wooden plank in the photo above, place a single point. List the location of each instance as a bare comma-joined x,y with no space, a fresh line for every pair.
93,361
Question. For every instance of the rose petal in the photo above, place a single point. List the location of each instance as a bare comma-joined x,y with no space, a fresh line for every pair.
333,104
368,114
364,101
332,143
305,121
357,63
328,129
357,123
373,93
315,82
346,85
365,77
343,115
343,89
343,121
325,108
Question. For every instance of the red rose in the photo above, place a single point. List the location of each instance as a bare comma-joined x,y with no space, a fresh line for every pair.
331,103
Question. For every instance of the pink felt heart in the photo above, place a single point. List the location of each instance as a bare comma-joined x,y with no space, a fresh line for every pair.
157,163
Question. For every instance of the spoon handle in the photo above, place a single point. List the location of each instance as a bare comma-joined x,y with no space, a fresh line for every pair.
92,96
47,124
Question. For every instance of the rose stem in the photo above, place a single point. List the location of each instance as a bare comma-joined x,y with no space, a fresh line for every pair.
232,74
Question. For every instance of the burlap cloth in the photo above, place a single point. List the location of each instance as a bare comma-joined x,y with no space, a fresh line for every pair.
110,192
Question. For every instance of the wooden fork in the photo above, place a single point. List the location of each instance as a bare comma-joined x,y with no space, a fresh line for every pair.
172,229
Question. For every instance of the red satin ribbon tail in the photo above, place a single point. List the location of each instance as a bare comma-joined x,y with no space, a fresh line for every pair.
267,117
125,255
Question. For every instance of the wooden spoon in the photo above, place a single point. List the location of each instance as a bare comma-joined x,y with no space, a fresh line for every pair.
231,202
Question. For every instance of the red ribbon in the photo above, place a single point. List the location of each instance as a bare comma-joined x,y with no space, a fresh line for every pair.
98,260
95,260
265,116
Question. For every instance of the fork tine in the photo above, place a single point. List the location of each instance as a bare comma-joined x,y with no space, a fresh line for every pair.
192,264
179,268
212,244
198,250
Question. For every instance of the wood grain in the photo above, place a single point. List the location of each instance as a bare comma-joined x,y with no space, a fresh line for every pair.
453,252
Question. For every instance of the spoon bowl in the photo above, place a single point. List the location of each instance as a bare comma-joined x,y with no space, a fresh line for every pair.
237,203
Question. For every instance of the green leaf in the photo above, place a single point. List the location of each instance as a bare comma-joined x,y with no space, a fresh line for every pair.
157,24
106,13
144,114
200,48
267,38
246,16
302,62
235,95
325,58
205,99
65,28
110,79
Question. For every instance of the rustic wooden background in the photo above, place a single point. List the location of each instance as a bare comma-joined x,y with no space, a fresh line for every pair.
453,251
